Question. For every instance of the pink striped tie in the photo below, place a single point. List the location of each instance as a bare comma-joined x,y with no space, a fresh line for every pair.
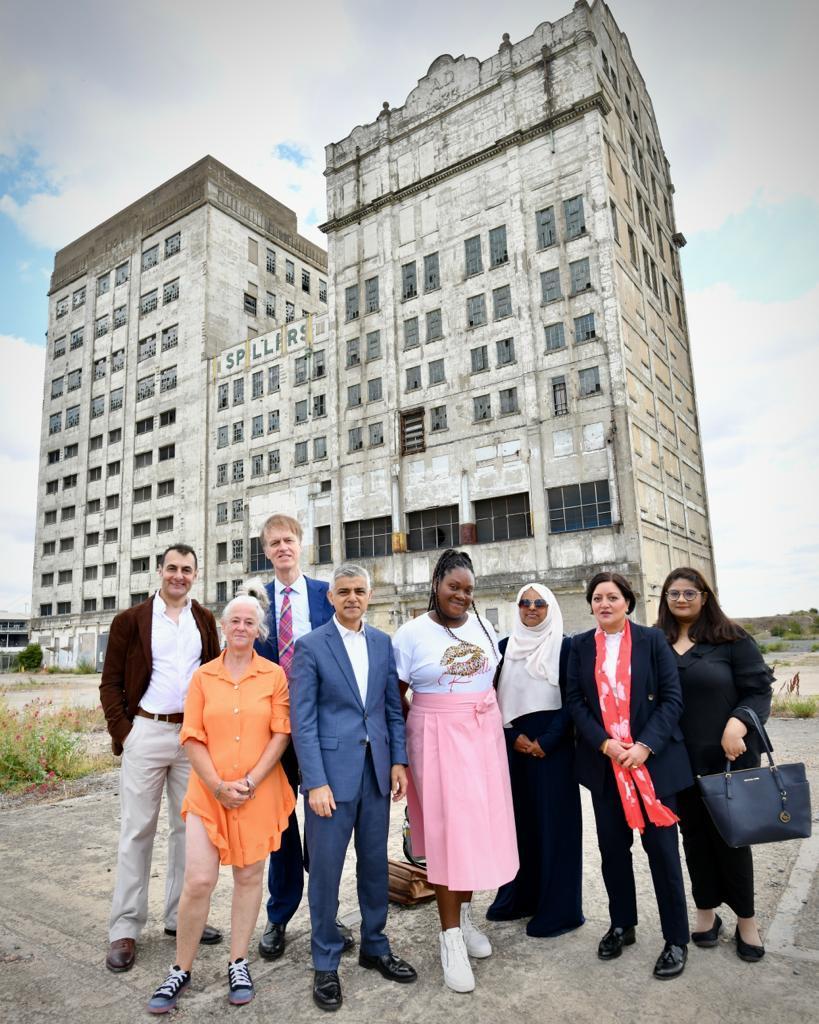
286,633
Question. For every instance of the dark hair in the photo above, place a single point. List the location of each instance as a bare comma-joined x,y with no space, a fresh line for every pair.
712,627
619,581
449,561
183,549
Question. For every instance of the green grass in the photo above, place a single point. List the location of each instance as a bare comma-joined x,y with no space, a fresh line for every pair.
40,745
797,707
771,648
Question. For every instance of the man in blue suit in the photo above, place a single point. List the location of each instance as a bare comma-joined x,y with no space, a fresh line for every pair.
297,605
348,729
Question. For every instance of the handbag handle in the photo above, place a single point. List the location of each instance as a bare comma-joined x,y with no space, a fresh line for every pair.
783,793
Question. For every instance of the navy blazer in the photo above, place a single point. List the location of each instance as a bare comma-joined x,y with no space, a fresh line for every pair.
656,706
329,723
319,608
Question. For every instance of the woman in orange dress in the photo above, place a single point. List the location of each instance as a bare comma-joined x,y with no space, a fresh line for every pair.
235,731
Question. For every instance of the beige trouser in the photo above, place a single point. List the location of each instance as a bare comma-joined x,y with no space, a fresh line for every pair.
152,761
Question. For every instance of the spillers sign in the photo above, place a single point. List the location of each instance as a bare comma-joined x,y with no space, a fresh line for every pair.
265,347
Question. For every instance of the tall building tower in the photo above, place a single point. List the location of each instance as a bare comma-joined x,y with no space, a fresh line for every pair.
514,371
137,308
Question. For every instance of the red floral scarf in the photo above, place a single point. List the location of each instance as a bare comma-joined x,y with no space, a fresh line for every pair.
615,707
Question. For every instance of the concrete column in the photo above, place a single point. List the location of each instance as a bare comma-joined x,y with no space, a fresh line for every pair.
467,533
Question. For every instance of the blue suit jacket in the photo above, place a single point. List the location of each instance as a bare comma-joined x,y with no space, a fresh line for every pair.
319,608
656,706
329,723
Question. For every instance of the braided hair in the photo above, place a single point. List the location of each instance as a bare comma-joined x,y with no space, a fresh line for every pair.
449,561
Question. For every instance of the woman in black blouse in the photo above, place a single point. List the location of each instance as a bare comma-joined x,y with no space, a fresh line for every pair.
721,672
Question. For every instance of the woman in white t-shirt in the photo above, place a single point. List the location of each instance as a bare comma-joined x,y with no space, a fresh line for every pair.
459,796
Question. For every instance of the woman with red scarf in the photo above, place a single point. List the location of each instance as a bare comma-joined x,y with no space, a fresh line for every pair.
624,695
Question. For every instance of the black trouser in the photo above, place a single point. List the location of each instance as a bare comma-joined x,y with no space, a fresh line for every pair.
719,873
661,845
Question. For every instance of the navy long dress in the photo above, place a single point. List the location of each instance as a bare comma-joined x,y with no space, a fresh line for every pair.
546,797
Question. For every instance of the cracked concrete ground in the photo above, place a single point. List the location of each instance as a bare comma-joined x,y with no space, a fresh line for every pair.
56,876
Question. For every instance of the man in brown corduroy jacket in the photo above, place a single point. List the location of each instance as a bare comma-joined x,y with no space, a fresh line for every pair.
153,650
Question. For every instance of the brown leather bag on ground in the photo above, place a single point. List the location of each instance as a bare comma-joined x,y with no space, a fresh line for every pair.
408,884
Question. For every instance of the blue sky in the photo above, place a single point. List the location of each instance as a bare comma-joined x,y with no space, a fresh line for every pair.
95,111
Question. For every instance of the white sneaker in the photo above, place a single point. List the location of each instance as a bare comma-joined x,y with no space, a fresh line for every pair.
477,944
457,972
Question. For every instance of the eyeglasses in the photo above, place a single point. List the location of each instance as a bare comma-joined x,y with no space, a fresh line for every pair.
676,595
539,603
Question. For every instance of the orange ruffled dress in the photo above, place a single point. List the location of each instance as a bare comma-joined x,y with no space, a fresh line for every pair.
236,720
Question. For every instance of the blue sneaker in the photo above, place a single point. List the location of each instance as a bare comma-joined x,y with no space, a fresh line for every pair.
166,996
239,982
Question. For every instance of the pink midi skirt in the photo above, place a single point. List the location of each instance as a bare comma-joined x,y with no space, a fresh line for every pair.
459,796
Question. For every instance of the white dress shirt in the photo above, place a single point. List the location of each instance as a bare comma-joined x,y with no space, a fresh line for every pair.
610,664
356,646
298,605
176,653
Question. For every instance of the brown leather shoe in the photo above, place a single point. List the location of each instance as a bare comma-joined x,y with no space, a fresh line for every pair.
121,955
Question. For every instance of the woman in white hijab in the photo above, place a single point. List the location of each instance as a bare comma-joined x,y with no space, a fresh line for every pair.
540,744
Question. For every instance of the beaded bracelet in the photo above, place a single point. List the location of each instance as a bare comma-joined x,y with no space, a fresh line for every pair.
219,789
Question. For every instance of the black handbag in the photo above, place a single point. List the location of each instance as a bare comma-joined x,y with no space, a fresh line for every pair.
759,805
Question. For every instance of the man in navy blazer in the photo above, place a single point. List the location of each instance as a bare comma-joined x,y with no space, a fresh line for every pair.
348,729
281,538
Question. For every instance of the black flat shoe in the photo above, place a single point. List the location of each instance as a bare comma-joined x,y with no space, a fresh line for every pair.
710,938
327,990
745,951
273,941
389,966
611,945
210,936
671,962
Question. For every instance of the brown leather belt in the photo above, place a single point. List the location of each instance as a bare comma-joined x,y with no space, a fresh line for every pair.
176,718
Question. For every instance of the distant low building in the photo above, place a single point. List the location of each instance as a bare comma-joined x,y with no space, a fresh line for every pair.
14,636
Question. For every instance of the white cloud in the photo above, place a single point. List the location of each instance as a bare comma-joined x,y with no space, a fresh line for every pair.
21,389
756,367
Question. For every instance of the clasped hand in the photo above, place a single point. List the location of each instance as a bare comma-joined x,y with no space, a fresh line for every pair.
524,745
234,794
629,755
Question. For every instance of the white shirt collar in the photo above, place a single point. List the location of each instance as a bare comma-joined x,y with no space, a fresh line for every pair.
160,607
298,585
348,632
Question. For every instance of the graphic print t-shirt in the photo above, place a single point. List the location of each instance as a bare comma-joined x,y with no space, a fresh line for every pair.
430,660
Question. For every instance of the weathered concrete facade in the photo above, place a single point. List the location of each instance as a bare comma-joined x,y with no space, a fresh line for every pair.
136,308
503,362
516,217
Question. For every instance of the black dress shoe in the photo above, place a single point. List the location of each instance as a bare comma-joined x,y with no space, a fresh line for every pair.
745,951
346,935
710,938
210,936
611,945
327,990
671,962
272,942
389,966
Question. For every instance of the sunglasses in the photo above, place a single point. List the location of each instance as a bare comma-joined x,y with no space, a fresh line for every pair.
539,603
